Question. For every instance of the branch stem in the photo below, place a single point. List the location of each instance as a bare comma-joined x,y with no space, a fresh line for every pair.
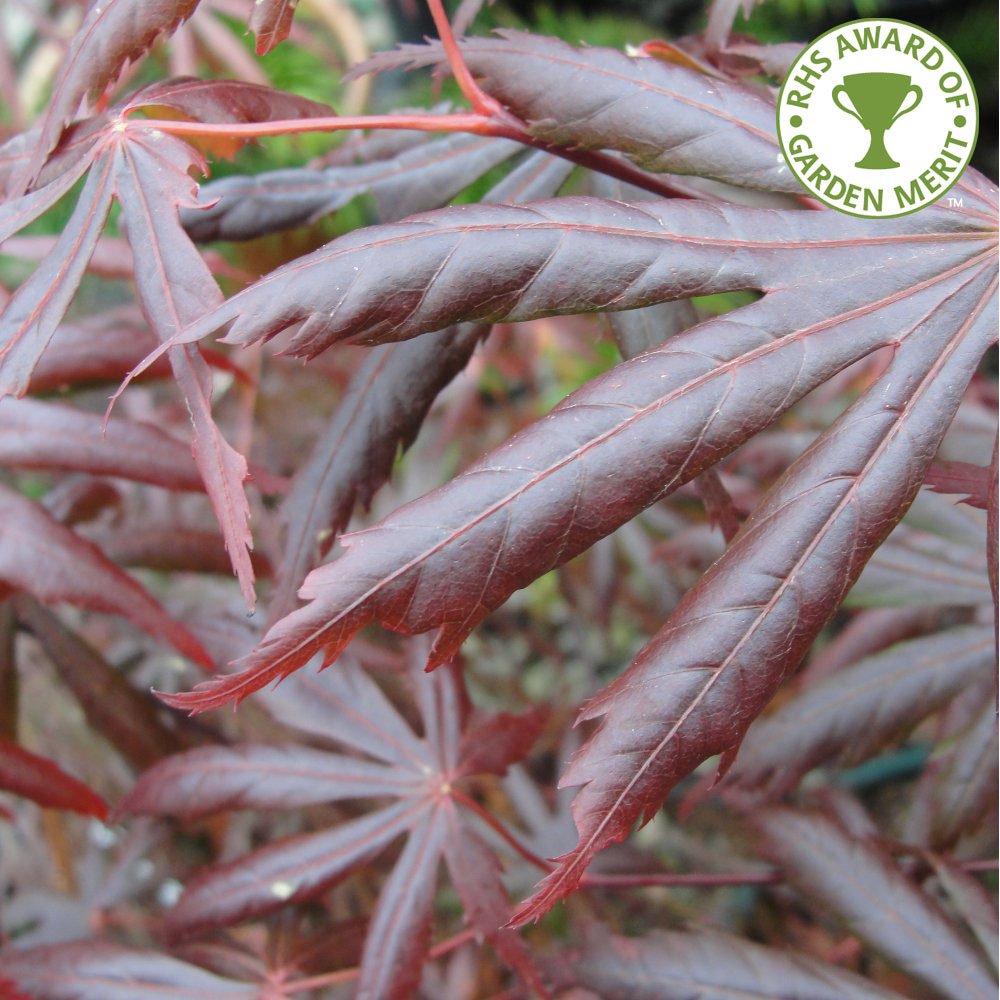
473,806
318,982
608,164
487,106
475,123
624,881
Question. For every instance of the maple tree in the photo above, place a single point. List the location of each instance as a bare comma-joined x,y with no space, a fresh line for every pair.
770,482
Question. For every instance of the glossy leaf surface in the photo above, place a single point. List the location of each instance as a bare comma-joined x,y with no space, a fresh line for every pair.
622,441
548,257
696,687
113,33
741,493
147,172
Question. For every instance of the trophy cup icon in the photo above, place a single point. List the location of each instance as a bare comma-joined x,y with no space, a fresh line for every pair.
877,100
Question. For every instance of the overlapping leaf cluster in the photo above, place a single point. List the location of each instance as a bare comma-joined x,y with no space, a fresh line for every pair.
804,422
421,776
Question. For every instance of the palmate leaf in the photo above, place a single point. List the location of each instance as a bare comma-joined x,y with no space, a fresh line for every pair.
711,966
366,719
148,173
416,772
857,710
858,881
556,488
624,440
113,33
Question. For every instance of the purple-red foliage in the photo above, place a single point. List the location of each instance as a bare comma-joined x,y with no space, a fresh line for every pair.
734,434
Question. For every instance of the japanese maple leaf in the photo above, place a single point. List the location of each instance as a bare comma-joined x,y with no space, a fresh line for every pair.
420,776
833,288
629,438
148,173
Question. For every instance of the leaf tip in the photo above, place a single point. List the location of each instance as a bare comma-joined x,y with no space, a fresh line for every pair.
555,886
529,912
222,689
201,698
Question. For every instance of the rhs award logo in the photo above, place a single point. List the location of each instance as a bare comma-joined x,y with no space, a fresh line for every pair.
877,118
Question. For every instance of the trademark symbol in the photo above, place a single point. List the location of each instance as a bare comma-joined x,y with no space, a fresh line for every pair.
955,202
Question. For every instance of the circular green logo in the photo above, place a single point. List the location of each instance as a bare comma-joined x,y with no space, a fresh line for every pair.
877,118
